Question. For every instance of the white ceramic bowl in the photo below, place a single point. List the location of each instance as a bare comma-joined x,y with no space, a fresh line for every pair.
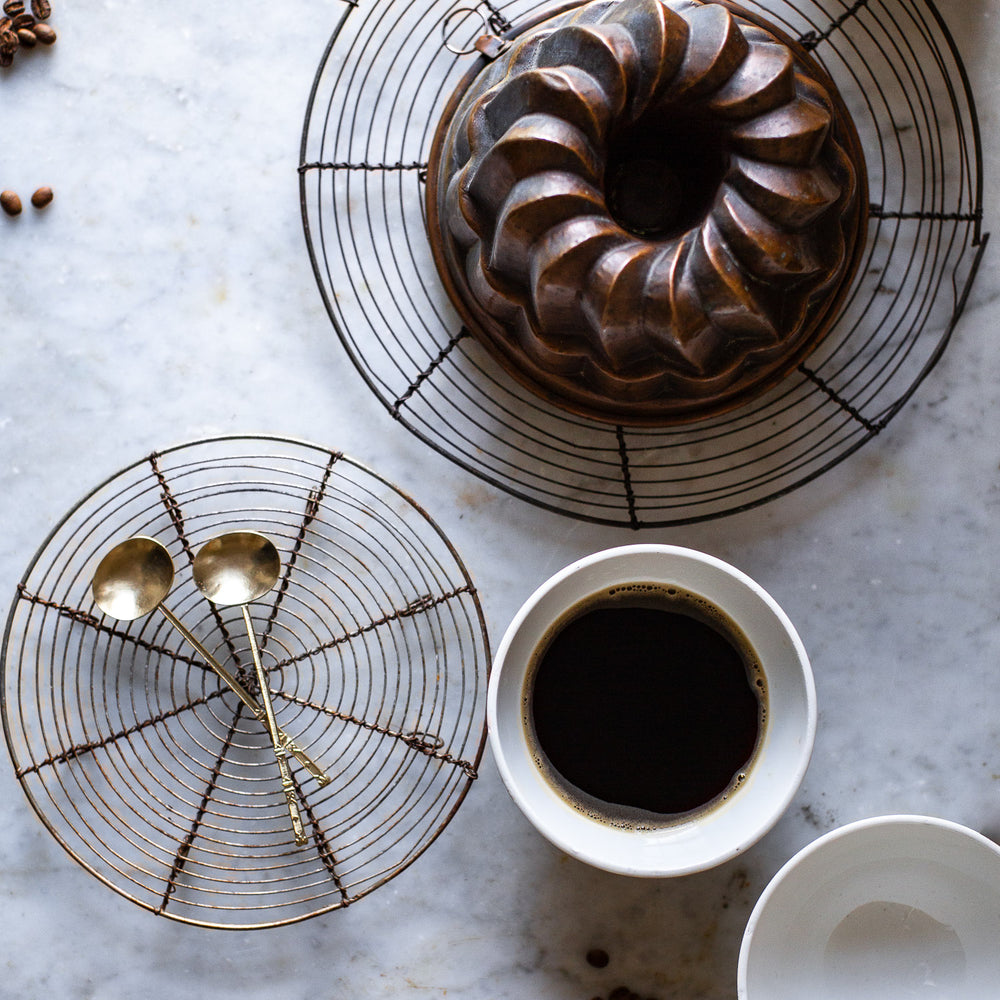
883,909
718,834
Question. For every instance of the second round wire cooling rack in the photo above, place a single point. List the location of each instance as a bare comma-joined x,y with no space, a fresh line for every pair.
380,90
153,775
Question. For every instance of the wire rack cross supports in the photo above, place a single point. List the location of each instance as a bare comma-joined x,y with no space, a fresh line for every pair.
172,506
870,426
314,501
878,212
434,364
364,167
623,455
173,509
812,39
430,746
75,614
79,750
324,849
184,849
421,605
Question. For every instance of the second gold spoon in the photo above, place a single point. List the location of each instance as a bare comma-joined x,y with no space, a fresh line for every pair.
236,569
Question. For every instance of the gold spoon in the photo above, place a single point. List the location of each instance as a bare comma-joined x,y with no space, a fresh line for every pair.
236,569
132,580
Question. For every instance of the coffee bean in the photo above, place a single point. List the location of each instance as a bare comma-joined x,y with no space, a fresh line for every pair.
44,34
41,9
598,958
27,38
23,21
13,7
10,202
8,46
42,197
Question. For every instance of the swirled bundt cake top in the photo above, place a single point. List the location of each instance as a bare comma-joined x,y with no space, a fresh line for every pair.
648,209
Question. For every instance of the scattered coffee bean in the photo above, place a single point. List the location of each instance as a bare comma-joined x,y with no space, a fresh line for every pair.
20,29
42,197
10,202
598,958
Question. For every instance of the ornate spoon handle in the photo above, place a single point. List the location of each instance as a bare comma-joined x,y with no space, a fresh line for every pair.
241,692
291,799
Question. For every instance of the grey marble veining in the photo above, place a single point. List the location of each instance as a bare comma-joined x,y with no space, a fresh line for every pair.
166,295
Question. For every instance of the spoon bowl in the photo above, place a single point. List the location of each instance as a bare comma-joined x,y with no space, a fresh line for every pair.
236,568
133,578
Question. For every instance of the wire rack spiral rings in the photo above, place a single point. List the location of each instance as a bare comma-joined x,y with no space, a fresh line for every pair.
154,776
378,95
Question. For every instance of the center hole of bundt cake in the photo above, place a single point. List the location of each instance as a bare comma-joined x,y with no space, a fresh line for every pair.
662,175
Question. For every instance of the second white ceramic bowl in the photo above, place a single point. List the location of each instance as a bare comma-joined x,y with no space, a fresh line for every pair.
883,909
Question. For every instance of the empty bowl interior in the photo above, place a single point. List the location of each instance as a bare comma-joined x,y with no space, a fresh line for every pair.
884,909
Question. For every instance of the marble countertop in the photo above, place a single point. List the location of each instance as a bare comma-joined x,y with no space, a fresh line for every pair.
166,295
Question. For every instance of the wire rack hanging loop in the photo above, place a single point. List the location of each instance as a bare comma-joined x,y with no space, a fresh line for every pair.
486,44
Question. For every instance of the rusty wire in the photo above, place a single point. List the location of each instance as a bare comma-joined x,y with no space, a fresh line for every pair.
377,98
151,773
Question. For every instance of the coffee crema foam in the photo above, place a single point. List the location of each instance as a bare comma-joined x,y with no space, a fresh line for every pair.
675,601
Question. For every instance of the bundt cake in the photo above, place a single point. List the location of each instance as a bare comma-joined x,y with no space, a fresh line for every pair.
648,210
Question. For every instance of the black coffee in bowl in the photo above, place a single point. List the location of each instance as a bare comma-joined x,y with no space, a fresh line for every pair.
645,702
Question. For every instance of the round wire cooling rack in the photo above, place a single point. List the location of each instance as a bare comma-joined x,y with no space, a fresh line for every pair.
153,775
379,92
